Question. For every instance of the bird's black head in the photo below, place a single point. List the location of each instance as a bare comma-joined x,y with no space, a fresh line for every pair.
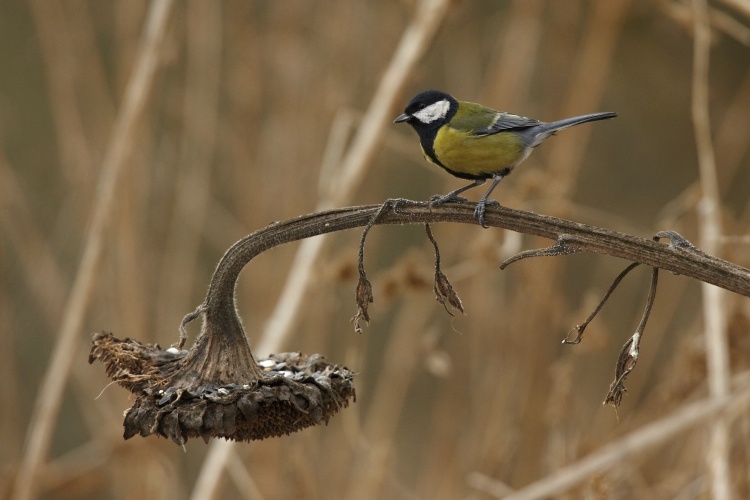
429,110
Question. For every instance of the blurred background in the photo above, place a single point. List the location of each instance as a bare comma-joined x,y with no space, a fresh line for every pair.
250,110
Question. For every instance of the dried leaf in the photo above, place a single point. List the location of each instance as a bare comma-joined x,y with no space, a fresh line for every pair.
444,292
628,357
443,289
626,361
364,298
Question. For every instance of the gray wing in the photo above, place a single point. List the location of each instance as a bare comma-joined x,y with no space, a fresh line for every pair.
508,121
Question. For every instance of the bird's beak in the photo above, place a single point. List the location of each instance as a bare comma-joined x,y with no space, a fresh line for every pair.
402,118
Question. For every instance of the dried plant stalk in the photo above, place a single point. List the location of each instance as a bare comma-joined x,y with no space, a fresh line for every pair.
217,389
709,212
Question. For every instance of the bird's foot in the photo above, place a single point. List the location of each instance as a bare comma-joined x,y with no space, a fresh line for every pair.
479,210
437,199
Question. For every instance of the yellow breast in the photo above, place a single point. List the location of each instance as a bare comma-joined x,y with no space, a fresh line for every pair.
464,153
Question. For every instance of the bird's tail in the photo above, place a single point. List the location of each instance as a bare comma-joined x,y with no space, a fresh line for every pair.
577,120
533,136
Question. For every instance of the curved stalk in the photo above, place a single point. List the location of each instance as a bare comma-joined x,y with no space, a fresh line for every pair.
222,354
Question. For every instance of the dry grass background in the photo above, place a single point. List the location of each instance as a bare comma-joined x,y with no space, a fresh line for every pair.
251,106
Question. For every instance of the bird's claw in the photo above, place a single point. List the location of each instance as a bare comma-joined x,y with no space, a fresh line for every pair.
437,199
479,210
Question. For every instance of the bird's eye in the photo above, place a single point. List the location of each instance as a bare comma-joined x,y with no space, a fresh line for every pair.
422,105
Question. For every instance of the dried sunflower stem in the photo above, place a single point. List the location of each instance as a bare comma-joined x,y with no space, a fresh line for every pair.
222,330
585,238
223,342
51,390
222,322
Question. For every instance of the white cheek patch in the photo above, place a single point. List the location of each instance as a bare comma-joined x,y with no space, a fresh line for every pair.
433,112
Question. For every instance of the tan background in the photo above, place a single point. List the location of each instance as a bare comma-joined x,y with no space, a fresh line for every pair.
234,135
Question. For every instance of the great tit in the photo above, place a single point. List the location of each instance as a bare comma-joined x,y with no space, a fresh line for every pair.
473,142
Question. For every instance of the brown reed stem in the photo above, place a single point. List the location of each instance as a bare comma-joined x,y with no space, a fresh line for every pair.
709,213
51,391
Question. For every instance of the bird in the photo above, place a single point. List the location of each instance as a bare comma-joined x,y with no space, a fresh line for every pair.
471,141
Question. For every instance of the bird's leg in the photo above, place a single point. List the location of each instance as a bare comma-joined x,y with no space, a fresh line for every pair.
483,202
453,195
